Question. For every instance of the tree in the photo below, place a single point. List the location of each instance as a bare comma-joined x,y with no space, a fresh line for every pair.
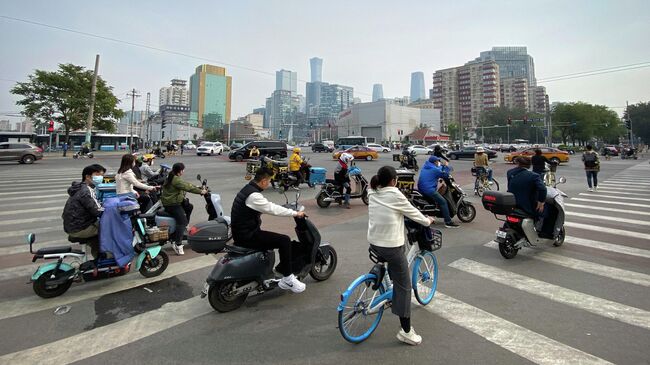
64,96
640,117
581,122
453,130
495,122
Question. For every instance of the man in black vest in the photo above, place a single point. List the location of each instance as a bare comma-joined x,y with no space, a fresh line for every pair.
246,225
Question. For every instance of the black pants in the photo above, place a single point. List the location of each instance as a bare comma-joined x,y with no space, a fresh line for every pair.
264,240
398,269
181,214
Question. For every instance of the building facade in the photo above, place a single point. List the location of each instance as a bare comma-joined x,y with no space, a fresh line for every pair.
377,92
286,80
210,97
176,94
334,99
514,62
539,102
282,109
417,86
316,69
514,93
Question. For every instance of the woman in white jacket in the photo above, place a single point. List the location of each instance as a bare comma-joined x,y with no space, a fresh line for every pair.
386,211
125,179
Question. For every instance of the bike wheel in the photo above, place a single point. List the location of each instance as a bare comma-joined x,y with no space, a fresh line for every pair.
495,185
320,200
325,264
222,300
425,276
155,265
355,323
466,212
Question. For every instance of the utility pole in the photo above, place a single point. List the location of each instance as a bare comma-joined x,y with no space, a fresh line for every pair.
91,109
148,120
133,94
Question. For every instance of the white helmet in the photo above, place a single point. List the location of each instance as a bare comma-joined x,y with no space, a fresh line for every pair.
346,158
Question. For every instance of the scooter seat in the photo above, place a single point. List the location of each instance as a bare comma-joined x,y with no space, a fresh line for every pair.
55,250
238,250
148,215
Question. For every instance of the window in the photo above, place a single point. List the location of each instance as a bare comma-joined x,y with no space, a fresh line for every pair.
4,146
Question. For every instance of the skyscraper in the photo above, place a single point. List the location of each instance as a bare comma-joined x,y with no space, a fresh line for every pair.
210,97
377,92
316,69
286,80
514,62
417,86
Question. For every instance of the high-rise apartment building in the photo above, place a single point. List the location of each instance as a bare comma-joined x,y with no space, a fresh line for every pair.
377,92
514,62
210,97
176,94
316,69
286,80
417,86
539,103
514,93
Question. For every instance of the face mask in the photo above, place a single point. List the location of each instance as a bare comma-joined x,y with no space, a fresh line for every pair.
98,180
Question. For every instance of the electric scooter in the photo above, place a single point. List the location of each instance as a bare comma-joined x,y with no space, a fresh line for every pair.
330,190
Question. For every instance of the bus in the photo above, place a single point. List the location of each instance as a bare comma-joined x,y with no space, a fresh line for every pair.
351,141
17,137
100,141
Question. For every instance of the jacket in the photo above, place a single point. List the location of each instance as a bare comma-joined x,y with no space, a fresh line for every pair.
341,173
527,188
481,160
174,193
429,175
294,162
539,163
82,208
126,181
147,172
593,168
387,208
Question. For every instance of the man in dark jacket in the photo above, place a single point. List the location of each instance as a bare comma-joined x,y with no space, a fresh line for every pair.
82,208
527,187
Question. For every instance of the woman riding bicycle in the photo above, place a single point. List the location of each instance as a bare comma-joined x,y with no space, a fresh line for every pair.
386,211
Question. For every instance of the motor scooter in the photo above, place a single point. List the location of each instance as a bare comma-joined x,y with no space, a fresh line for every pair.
243,271
330,190
520,229
55,278
79,154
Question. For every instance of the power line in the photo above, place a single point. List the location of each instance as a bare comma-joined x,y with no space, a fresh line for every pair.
602,69
594,73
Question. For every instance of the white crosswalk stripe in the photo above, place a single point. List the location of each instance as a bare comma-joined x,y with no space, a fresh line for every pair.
630,188
614,231
608,218
626,250
601,190
611,202
605,209
601,196
36,210
29,197
599,306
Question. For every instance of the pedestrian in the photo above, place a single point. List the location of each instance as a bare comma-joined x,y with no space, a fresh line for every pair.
592,166
182,148
65,148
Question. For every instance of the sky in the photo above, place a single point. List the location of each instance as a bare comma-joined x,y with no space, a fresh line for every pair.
361,43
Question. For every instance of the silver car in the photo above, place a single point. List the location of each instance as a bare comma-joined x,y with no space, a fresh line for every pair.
24,153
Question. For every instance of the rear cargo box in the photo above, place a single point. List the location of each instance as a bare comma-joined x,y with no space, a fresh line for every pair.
499,202
317,175
105,191
210,236
406,181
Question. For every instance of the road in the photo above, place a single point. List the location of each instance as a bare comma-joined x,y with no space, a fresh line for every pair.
584,302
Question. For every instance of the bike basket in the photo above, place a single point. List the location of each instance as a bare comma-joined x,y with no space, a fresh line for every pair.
430,239
478,171
158,234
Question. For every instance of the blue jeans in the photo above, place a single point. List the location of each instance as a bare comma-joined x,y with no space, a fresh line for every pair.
592,175
442,203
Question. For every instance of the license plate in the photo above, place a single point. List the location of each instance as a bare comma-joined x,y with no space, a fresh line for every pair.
501,234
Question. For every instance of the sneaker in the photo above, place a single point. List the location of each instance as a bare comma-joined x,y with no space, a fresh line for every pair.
595,188
178,249
410,338
292,283
452,225
491,183
590,189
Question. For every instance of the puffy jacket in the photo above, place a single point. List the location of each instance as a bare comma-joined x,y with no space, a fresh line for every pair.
429,175
386,211
174,193
294,162
82,208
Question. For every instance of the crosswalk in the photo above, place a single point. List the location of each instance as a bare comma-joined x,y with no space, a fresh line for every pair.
606,247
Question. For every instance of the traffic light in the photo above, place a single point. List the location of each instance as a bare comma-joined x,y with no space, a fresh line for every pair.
509,120
50,127
525,119
163,124
626,119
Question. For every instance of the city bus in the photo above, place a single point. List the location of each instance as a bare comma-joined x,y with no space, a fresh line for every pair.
17,137
100,141
351,141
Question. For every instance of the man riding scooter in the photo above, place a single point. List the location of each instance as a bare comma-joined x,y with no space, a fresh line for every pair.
247,209
527,187
342,177
296,166
431,172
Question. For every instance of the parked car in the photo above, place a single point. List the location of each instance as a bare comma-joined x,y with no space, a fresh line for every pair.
359,153
319,147
189,146
209,148
274,149
24,153
469,152
553,154
420,150
507,148
377,147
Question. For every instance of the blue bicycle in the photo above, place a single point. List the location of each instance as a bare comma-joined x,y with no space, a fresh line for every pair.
363,302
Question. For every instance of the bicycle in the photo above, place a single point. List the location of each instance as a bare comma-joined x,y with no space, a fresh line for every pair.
482,183
363,311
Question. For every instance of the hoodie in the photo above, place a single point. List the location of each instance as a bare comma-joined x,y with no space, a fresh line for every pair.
82,208
429,175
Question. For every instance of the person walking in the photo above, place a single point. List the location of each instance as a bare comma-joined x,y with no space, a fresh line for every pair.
387,208
592,166
65,148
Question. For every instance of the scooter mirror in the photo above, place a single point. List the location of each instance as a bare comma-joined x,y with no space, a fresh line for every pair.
198,177
562,180
205,182
30,238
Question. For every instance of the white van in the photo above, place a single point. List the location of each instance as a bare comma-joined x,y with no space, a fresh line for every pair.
329,144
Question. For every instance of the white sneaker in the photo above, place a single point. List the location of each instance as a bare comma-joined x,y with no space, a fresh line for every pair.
178,249
590,189
292,283
595,188
410,338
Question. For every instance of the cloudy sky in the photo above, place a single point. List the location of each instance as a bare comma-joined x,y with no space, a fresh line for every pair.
361,42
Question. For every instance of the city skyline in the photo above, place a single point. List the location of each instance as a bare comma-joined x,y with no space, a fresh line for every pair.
571,40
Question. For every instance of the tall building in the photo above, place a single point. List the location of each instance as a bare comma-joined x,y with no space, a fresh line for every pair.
210,97
176,94
464,92
539,102
282,108
313,94
377,92
514,93
286,80
514,62
417,86
316,69
334,99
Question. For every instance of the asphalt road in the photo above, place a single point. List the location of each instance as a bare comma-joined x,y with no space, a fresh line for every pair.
584,302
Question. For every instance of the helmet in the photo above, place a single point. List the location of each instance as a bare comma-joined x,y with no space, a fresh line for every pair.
480,150
346,158
296,149
413,153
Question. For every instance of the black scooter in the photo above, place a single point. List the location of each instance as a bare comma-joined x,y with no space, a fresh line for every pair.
330,191
243,271
455,197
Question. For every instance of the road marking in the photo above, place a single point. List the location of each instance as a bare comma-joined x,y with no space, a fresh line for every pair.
43,202
31,197
607,230
512,337
622,192
628,181
629,188
585,266
109,337
10,250
23,232
606,209
626,250
35,210
33,304
610,202
31,188
596,195
36,180
27,220
608,218
602,307
28,191
18,271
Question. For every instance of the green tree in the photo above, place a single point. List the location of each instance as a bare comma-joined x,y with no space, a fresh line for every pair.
581,122
640,117
495,123
211,134
453,130
64,96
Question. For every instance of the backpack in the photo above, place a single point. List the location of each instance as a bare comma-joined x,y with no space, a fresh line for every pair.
591,160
